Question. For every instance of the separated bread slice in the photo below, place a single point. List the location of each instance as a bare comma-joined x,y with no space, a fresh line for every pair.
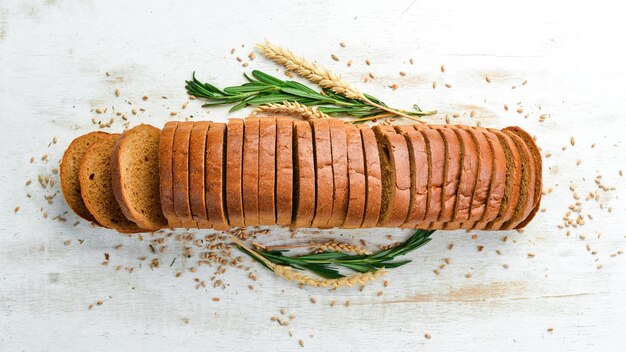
340,172
394,161
180,175
324,172
96,187
197,154
534,150
418,161
250,185
166,172
436,160
498,180
356,178
513,179
267,170
215,161
234,172
526,201
134,160
70,166
373,179
483,176
284,170
304,197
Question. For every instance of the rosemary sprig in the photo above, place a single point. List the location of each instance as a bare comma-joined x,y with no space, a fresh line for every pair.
263,89
327,264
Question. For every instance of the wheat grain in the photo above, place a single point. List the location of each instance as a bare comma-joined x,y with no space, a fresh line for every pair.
335,246
291,274
291,108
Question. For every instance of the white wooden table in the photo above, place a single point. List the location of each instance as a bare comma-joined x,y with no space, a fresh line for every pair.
61,60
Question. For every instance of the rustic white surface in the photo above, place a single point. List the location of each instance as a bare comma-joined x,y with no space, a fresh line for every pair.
54,56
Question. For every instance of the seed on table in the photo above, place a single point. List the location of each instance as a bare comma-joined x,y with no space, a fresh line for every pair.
334,57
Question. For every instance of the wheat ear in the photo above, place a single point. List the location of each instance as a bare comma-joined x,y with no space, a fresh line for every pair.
321,76
343,247
291,108
291,274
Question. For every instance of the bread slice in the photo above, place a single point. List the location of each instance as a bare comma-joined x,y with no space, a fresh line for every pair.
304,175
197,153
436,160
180,175
70,166
96,187
452,171
526,201
267,170
483,176
166,172
324,172
395,166
284,170
356,178
534,150
498,180
418,162
339,148
373,179
513,179
250,185
134,159
234,168
215,188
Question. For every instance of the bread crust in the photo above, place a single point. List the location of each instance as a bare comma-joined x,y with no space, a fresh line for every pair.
166,172
356,178
234,172
69,173
373,179
498,180
284,170
304,175
197,149
324,173
214,176
527,189
339,150
250,182
267,170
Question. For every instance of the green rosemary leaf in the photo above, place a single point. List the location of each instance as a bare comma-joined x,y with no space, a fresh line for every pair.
324,271
265,78
239,106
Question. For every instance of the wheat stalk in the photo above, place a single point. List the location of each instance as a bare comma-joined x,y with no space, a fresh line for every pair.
335,246
291,108
319,75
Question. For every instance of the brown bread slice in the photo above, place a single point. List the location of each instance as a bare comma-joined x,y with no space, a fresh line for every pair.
134,160
356,178
180,176
467,180
197,151
166,172
267,170
284,170
534,150
452,170
70,166
214,176
324,172
250,185
96,186
513,179
418,160
526,201
304,175
339,145
395,166
498,180
483,176
373,179
234,175
436,160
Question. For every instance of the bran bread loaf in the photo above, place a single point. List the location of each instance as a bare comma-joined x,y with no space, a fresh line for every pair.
96,186
134,159
197,149
339,151
250,185
267,170
356,178
324,172
69,172
234,168
373,179
215,188
304,175
284,170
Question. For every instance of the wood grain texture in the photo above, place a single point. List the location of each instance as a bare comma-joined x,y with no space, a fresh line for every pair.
54,60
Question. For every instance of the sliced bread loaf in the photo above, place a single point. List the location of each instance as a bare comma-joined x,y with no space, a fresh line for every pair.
234,167
373,179
250,182
304,175
284,170
267,170
96,186
324,172
70,166
526,202
356,178
166,172
339,148
134,160
214,176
